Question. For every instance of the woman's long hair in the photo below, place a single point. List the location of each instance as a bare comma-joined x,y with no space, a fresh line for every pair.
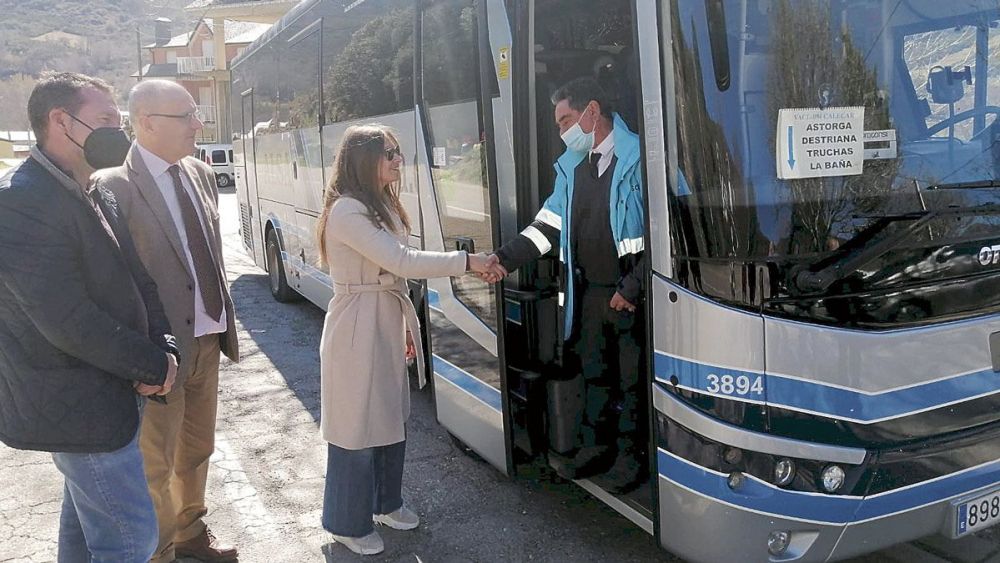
356,174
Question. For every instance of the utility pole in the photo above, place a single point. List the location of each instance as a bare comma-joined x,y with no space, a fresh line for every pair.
138,51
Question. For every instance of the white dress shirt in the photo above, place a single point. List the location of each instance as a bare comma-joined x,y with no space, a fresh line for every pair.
607,150
203,323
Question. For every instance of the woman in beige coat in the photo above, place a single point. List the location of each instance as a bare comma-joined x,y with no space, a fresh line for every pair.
368,336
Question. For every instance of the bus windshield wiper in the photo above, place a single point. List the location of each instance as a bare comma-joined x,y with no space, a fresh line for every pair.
979,184
861,249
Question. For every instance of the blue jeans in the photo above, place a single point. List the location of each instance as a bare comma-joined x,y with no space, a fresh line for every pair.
360,484
107,514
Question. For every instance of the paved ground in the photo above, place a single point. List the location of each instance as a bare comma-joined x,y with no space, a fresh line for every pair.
265,486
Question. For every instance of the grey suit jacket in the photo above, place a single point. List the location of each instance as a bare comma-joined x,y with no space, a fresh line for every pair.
159,245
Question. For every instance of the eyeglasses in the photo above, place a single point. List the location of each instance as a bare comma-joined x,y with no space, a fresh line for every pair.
393,153
187,116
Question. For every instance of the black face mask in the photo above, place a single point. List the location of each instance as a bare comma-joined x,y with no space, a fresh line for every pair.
105,147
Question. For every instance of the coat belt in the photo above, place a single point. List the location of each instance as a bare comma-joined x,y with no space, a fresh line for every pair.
390,284
386,282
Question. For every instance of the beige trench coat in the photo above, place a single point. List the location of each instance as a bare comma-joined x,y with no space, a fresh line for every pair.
365,392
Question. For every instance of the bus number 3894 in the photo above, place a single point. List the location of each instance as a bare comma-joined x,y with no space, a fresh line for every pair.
738,385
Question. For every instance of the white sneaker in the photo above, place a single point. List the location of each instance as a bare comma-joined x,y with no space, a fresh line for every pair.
368,545
402,519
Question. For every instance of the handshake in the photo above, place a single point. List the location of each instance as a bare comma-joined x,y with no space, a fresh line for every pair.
487,267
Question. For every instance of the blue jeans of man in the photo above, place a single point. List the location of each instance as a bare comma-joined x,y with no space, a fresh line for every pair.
107,513
360,484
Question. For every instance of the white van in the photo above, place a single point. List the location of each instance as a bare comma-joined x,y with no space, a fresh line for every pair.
220,158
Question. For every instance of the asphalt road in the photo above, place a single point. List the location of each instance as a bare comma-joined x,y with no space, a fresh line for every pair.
266,483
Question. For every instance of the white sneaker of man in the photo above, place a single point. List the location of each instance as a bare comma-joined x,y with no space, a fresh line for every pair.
367,545
402,519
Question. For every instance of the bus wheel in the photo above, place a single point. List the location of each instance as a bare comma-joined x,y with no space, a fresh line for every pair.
280,289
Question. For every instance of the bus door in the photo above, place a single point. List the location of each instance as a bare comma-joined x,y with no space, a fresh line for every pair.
557,41
246,181
464,155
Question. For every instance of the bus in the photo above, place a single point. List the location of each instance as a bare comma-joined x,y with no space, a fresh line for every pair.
822,343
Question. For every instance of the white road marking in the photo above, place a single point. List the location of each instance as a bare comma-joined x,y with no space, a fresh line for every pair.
243,496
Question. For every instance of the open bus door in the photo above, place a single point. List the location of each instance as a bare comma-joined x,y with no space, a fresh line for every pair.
487,69
463,123
557,41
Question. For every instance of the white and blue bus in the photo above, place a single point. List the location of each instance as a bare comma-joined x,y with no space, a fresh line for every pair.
822,368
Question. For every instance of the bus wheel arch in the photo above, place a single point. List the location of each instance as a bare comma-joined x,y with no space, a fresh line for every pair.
277,281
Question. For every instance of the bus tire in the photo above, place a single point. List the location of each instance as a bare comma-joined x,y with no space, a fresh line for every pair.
276,279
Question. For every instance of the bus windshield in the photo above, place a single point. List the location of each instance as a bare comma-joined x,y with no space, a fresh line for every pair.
803,125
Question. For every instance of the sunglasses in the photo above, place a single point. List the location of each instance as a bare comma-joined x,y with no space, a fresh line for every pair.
393,153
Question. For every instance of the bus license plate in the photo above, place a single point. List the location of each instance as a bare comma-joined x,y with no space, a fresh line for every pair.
976,514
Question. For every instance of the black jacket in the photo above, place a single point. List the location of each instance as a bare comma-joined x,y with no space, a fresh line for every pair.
80,320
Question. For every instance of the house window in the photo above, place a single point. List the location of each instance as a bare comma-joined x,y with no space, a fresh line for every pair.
171,57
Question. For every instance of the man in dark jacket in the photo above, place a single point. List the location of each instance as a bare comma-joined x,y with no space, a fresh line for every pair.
83,335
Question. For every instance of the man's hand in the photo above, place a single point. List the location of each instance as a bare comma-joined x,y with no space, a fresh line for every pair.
618,303
411,348
487,267
168,383
146,390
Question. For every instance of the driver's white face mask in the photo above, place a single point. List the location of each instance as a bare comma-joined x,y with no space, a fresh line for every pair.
576,139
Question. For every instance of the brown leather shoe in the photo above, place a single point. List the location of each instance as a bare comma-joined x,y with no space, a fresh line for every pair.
206,547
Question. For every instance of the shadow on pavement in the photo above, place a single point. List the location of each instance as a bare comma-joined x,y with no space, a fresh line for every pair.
289,327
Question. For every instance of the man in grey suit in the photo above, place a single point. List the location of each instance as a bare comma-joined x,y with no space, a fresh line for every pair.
170,201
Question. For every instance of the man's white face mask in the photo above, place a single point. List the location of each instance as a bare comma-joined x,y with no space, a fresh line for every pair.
575,138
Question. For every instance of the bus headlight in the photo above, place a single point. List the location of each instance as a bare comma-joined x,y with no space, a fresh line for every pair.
777,542
833,478
784,472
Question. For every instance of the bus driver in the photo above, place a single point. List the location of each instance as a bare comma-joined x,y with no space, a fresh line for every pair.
595,216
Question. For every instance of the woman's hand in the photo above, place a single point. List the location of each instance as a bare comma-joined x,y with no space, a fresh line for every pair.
411,348
487,267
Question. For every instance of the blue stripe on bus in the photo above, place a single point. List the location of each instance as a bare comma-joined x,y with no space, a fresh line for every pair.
697,376
467,382
433,299
830,509
803,395
814,397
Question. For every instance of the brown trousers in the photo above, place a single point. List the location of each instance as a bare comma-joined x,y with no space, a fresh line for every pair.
177,440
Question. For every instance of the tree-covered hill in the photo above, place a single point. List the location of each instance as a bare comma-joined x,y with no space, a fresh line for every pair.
109,27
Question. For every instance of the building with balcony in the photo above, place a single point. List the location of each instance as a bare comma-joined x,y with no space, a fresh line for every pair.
199,61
